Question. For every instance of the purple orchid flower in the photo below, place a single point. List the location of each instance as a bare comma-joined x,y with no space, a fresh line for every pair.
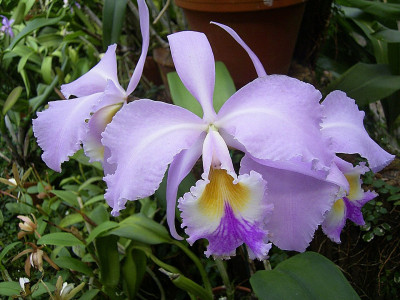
6,26
349,206
274,118
62,128
342,126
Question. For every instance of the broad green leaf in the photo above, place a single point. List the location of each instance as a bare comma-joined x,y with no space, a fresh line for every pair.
102,228
84,160
19,208
59,239
376,8
9,288
19,13
41,290
74,264
46,70
308,276
4,251
142,229
388,35
113,18
224,88
32,26
133,270
107,253
94,200
71,219
181,96
99,214
367,83
89,181
12,99
89,295
67,196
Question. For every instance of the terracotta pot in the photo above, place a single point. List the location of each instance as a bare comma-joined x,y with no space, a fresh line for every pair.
269,28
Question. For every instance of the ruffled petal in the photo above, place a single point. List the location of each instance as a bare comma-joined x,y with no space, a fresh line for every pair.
178,170
92,145
354,207
348,207
194,63
95,81
143,138
60,129
144,27
343,124
277,118
300,203
227,214
256,62
335,220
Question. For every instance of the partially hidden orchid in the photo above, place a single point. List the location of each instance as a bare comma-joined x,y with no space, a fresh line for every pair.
66,124
6,26
343,130
349,206
343,125
274,120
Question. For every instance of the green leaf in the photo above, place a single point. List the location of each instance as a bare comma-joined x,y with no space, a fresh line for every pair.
113,18
32,26
19,13
46,70
308,276
1,220
94,200
74,264
42,290
19,208
133,270
224,88
89,295
67,196
367,83
102,228
59,239
4,252
142,229
89,181
107,252
12,99
9,288
71,219
181,96
376,8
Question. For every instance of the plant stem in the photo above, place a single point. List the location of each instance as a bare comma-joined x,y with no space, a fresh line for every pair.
198,264
230,291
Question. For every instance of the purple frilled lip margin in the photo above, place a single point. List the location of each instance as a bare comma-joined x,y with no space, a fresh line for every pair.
290,180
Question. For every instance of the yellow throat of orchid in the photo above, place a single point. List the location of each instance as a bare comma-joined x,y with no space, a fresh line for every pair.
221,190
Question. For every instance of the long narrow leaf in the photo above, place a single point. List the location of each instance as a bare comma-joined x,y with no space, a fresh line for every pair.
113,17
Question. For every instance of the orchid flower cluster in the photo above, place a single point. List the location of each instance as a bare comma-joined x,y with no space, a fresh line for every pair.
290,179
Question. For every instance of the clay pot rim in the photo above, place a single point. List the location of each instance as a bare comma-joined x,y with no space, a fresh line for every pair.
234,5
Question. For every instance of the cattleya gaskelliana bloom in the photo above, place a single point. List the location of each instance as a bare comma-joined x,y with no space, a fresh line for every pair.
274,119
342,126
62,127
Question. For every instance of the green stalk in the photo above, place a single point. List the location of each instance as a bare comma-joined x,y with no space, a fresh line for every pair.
198,264
230,291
